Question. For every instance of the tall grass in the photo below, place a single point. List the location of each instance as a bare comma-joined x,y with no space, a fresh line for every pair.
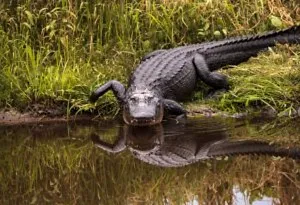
272,81
59,50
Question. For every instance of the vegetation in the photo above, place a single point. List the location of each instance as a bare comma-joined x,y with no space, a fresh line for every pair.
271,80
54,53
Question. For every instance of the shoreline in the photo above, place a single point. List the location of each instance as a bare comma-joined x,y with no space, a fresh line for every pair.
12,117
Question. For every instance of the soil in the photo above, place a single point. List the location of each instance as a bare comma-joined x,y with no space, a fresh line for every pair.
42,115
13,117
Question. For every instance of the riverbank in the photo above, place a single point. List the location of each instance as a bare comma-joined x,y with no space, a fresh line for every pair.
42,115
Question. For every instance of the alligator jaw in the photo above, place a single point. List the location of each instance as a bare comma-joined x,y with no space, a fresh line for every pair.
143,121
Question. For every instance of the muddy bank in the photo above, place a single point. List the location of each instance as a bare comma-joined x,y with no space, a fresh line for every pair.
14,117
43,115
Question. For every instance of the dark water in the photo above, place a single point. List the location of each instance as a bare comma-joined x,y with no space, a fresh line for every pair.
197,161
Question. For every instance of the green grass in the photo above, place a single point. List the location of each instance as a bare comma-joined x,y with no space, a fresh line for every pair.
270,80
56,52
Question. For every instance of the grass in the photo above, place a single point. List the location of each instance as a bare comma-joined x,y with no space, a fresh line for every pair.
270,80
55,53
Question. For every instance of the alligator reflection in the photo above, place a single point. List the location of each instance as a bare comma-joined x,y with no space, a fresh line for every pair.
173,144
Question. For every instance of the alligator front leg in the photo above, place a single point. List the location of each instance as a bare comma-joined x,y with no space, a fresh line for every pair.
213,79
173,108
117,88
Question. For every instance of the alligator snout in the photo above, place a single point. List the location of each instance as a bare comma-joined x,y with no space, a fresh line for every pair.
141,117
142,114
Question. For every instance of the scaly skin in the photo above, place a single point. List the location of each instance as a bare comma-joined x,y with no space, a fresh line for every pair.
150,145
167,76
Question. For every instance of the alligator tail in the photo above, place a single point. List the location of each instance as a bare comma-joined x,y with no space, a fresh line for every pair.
251,147
236,50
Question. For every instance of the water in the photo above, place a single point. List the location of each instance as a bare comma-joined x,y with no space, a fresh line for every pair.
107,162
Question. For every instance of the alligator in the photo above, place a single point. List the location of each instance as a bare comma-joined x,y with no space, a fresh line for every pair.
165,77
170,144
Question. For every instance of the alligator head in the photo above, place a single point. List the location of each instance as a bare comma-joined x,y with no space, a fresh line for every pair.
143,107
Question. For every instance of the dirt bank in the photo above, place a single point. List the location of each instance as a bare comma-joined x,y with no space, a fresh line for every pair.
14,117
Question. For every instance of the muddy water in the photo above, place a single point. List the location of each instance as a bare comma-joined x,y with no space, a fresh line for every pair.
189,162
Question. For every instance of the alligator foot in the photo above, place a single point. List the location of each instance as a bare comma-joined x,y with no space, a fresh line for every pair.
181,118
215,94
173,108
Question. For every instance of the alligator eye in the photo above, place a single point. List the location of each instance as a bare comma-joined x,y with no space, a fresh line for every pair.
134,100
